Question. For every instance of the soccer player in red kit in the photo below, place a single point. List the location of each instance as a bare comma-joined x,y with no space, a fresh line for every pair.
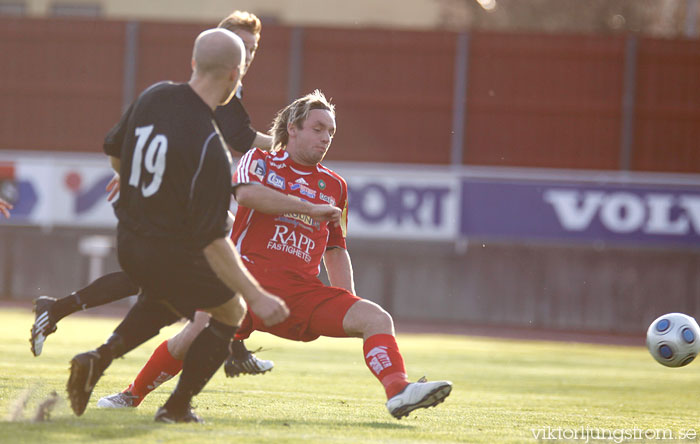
282,245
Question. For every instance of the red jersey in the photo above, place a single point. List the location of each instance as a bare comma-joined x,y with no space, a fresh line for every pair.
292,241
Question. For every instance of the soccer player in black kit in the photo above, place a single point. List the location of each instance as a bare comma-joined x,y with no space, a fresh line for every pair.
236,129
173,224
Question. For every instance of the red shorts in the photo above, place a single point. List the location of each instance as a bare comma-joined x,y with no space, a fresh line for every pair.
315,309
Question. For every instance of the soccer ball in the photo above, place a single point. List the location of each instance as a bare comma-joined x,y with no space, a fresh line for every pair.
674,339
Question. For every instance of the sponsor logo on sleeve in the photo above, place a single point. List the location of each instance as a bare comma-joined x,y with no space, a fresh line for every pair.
275,180
258,169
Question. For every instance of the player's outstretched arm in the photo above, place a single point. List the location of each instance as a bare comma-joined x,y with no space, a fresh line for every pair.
339,268
226,263
269,201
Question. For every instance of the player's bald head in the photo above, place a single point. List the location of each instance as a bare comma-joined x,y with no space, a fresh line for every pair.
217,51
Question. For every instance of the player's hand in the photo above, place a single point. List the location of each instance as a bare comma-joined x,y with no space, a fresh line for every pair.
5,208
268,307
113,187
326,213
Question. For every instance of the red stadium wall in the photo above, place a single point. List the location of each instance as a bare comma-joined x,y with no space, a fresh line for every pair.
60,83
538,101
164,53
667,126
393,91
532,100
266,84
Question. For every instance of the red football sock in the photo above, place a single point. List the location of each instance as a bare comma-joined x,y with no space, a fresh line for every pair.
383,358
161,367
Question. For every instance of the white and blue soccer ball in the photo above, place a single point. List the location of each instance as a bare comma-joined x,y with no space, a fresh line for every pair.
674,339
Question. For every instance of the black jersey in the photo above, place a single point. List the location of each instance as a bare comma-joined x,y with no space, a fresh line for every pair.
234,123
175,170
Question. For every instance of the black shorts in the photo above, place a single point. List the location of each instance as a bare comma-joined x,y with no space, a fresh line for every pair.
169,273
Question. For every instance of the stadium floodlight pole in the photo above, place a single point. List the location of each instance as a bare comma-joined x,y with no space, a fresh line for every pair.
691,18
131,55
296,63
459,99
629,85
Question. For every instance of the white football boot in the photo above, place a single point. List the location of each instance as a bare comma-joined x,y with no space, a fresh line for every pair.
418,395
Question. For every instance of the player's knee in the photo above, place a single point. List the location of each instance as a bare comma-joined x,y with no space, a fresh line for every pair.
367,318
180,343
381,319
231,312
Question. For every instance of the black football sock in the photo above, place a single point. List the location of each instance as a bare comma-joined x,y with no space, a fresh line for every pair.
239,351
204,357
108,288
144,321
109,350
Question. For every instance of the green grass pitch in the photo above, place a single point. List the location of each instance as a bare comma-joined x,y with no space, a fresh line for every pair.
504,391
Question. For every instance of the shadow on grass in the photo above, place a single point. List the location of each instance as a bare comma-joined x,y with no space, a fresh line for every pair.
386,425
73,430
329,423
121,429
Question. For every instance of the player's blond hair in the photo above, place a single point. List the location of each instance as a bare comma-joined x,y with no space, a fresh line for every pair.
242,20
296,113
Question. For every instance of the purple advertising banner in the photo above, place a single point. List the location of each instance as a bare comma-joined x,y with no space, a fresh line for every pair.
409,202
557,210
